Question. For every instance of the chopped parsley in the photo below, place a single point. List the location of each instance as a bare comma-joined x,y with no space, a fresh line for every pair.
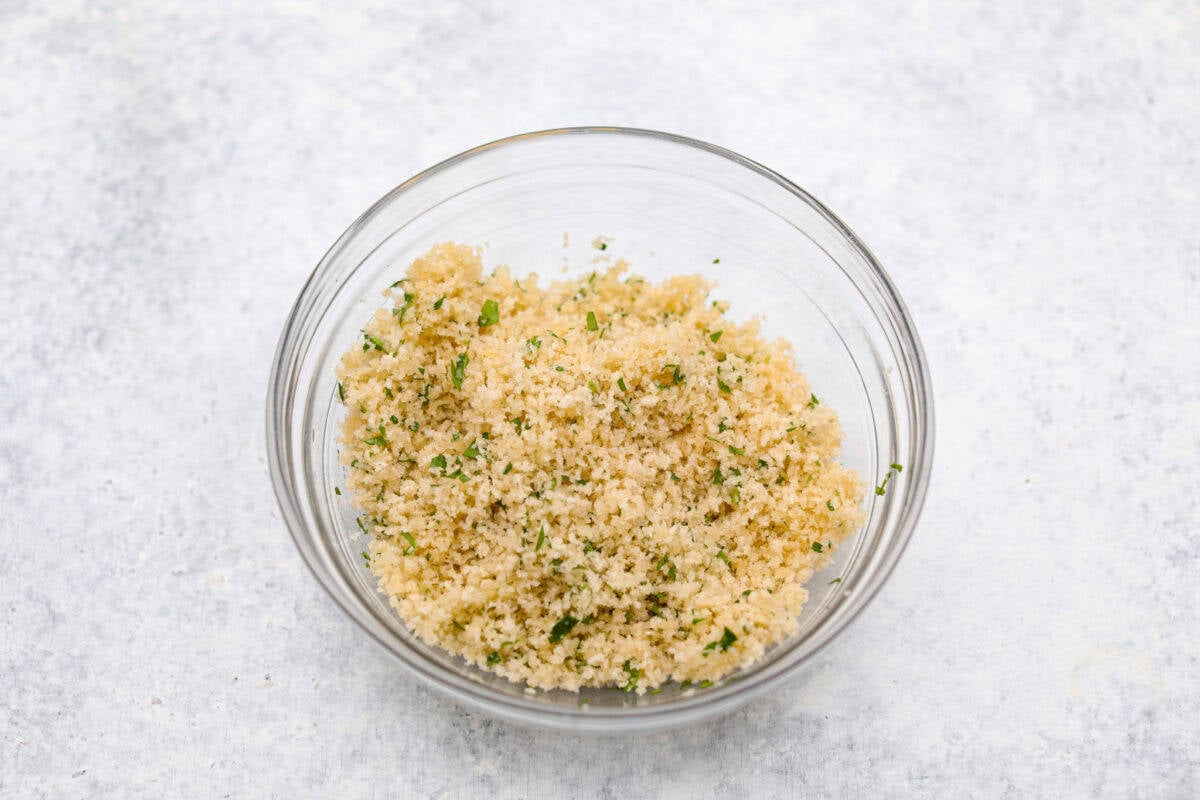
634,673
489,314
341,392
458,370
818,547
399,313
592,387
829,505
372,341
677,377
592,325
724,643
472,451
737,451
721,555
716,261
718,476
674,477
493,658
395,420
620,384
437,304
715,336
507,469
358,521
762,463
813,402
835,580
366,557
562,628
337,490
380,440
588,547
603,246
894,470
438,462
535,342
541,539
666,562
735,495
723,386
412,543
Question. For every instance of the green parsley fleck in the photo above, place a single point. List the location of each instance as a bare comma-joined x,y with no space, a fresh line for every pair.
715,336
588,547
677,377
562,628
835,580
818,547
716,261
337,490
541,539
358,521
507,469
898,467
721,555
372,341
366,557
412,543
634,673
489,314
674,477
458,370
665,561
472,451
724,643
592,325
737,451
493,658
380,440
621,384
395,420
829,505
604,245
535,342
341,392
762,463
399,313
592,387
735,495
813,402
437,304
438,462
718,476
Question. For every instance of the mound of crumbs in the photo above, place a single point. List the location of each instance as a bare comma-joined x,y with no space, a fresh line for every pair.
599,482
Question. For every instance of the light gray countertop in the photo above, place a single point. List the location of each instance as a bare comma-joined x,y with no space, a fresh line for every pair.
170,173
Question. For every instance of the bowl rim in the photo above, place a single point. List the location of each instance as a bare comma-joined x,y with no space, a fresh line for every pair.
623,718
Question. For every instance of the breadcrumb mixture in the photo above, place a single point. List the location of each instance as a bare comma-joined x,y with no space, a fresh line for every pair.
602,482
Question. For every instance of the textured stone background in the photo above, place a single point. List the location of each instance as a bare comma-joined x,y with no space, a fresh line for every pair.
170,172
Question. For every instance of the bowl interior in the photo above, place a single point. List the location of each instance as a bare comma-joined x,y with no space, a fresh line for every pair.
538,204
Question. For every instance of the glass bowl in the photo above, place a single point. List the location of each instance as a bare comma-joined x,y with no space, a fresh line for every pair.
670,205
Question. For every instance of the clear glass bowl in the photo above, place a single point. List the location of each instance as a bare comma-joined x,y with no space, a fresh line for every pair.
670,205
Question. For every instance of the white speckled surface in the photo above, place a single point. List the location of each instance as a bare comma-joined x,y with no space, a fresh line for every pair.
171,172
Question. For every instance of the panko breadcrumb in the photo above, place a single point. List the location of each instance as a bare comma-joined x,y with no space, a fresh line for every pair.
603,482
